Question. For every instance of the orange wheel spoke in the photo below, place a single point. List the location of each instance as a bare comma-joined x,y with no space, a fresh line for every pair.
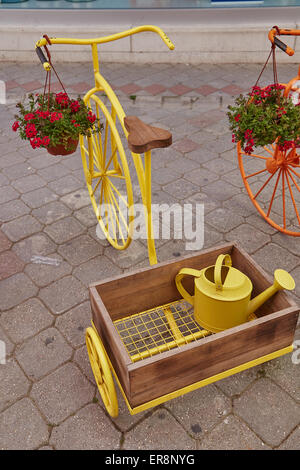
264,185
256,173
283,199
292,197
255,156
269,151
293,179
295,172
273,195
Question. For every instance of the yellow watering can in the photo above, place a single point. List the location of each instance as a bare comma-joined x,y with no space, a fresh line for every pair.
222,294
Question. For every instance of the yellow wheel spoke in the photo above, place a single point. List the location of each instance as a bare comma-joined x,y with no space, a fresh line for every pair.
114,210
120,212
97,184
119,194
110,159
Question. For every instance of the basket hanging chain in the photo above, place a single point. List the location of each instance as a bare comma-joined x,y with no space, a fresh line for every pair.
272,53
48,75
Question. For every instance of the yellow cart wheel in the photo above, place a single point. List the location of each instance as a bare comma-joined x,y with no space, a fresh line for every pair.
101,371
107,176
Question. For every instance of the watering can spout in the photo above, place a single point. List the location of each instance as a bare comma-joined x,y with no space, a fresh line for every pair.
282,280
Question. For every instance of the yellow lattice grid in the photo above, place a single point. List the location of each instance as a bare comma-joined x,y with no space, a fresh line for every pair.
159,329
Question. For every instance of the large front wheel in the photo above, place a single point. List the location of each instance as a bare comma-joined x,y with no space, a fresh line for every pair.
107,176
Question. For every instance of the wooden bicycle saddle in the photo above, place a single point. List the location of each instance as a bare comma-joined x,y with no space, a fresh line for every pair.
143,137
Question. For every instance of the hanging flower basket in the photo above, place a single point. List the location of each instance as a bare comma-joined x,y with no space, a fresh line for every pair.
264,116
55,122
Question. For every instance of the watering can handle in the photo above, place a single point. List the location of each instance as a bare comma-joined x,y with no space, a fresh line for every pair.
226,259
182,273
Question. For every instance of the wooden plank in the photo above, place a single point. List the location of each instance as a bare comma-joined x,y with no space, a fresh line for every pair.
150,287
142,137
212,355
110,338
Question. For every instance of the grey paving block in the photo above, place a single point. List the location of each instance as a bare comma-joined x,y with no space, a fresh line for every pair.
28,183
181,189
65,185
13,384
21,227
64,229
43,353
95,270
244,234
200,410
223,220
22,427
292,442
13,209
201,177
51,212
237,383
80,249
15,289
53,172
154,434
38,244
86,216
63,294
26,320
73,324
274,256
62,393
7,193
88,429
81,358
269,411
39,197
44,274
77,200
232,434
135,253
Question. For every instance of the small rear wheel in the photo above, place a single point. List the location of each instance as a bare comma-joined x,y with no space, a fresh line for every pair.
272,180
101,371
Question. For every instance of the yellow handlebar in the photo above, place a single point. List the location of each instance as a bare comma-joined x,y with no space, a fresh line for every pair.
113,37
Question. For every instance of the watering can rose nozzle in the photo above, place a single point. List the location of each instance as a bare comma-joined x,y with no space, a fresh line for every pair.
282,280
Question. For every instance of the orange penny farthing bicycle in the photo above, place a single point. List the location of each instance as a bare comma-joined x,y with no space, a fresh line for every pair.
272,175
104,159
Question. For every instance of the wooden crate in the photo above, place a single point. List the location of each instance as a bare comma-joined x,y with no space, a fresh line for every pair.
150,378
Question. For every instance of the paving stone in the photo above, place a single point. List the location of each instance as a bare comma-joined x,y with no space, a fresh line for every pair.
17,170
29,183
181,189
5,244
26,320
219,166
232,434
220,191
51,212
65,229
8,345
272,257
95,270
201,177
63,294
80,249
53,172
13,384
43,274
237,383
7,193
292,442
10,264
22,427
21,228
43,353
77,199
241,205
264,403
36,245
86,216
201,410
296,275
15,289
154,434
244,234
164,175
62,393
292,243
39,197
65,185
73,324
223,220
135,253
12,209
43,160
88,429
186,145
259,222
81,358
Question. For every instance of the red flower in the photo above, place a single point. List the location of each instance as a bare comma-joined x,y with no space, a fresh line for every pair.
75,123
55,116
75,106
91,117
15,126
62,99
36,142
237,118
46,141
42,114
30,131
29,116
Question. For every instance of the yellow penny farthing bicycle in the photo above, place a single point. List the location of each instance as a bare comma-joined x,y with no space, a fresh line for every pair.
103,154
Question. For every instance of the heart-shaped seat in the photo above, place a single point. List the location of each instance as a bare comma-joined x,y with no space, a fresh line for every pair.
143,137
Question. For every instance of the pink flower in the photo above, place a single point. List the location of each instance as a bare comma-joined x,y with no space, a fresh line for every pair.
15,126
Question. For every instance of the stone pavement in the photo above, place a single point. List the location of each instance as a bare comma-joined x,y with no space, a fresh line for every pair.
48,396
